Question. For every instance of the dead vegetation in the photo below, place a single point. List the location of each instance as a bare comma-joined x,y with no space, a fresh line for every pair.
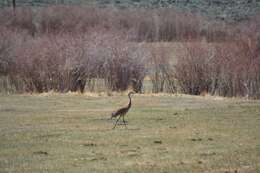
46,50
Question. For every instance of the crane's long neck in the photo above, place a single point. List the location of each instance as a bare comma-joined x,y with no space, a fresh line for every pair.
129,104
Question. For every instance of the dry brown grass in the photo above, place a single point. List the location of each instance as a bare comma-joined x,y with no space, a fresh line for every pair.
165,133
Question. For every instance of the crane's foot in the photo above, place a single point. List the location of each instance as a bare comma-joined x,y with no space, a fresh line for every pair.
119,122
122,123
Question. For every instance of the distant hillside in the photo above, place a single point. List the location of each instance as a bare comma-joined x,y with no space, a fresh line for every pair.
230,10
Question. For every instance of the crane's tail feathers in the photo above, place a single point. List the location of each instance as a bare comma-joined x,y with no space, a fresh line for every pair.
113,115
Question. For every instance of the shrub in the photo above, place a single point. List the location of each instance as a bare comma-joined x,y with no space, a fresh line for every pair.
193,67
21,20
226,69
161,70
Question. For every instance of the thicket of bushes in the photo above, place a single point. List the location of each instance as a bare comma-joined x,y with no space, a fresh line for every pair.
50,49
162,24
68,62
229,69
231,10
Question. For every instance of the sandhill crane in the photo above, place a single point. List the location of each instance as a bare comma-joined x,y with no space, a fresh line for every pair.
122,111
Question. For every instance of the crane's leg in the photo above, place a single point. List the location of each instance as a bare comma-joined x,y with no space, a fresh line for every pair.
117,121
124,120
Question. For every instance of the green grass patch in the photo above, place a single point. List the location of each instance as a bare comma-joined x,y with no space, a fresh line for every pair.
165,133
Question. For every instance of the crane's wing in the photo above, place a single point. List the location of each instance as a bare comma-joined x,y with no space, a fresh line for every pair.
119,112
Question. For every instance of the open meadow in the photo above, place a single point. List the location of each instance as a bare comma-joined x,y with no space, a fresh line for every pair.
66,66
165,133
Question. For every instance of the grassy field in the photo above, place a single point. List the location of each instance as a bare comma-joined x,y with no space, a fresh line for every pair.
72,133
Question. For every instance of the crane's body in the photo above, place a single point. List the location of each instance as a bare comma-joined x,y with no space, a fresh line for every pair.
122,111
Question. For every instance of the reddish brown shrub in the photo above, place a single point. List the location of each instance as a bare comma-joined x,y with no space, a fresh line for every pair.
226,69
193,67
160,68
22,19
